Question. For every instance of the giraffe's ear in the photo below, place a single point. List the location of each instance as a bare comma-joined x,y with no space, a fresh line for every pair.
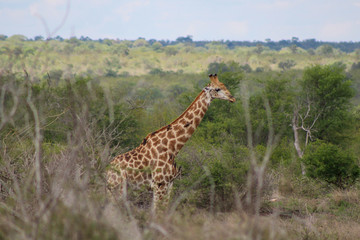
206,88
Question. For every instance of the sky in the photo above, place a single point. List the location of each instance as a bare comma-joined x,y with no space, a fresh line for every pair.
250,20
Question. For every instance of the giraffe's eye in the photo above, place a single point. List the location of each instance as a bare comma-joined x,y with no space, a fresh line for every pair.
217,89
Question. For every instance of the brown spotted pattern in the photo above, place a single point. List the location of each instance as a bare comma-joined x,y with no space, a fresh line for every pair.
153,162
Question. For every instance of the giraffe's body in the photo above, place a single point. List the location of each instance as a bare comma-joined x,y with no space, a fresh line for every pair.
152,163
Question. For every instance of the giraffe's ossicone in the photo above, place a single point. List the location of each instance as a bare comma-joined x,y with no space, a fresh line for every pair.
152,163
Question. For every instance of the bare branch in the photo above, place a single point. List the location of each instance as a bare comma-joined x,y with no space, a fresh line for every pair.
37,140
50,33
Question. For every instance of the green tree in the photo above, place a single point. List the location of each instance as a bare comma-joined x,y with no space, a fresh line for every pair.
229,67
294,48
17,51
325,50
38,38
187,39
279,95
294,39
157,46
74,41
322,107
17,38
259,49
141,42
107,42
330,163
171,50
246,68
326,94
311,51
3,37
120,49
54,75
357,53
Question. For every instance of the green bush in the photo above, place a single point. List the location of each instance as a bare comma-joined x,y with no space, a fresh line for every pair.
329,162
214,176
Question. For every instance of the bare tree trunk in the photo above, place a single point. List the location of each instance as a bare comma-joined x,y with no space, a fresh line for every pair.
296,140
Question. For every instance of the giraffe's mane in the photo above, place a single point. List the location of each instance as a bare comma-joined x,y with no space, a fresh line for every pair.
166,126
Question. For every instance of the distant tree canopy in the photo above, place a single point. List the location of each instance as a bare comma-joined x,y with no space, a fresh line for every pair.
17,37
3,37
38,38
293,43
186,39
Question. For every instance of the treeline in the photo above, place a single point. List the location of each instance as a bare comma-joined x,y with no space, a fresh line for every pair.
273,45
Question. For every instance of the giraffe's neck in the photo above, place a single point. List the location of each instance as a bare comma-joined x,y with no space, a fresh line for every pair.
177,133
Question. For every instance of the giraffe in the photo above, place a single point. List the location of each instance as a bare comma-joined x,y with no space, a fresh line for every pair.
152,163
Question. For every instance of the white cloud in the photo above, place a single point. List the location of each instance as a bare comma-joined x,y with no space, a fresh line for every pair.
20,18
55,2
127,9
96,2
282,4
202,30
48,9
33,9
16,16
337,31
356,4
238,28
11,1
278,4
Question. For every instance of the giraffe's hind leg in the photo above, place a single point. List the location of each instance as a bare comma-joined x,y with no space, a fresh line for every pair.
116,186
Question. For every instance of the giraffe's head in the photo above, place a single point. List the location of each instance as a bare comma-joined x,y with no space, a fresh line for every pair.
217,89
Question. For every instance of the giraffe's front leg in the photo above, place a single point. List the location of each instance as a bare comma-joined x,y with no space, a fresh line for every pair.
161,195
162,185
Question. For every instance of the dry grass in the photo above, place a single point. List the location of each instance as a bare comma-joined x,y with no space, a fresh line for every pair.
321,226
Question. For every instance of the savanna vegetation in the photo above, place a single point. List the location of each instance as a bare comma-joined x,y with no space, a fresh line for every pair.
282,162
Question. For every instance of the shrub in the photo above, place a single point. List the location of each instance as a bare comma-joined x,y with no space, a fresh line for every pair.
110,72
329,162
214,176
156,71
355,66
171,50
286,65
